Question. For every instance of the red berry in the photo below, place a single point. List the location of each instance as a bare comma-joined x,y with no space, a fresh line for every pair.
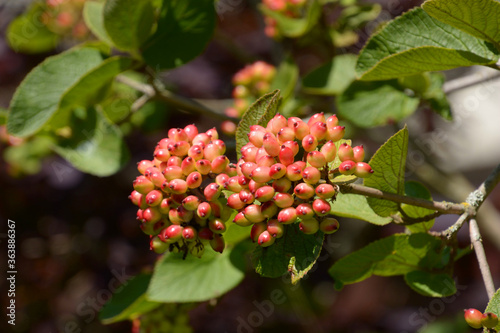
359,153
304,210
217,225
335,133
304,191
286,155
285,134
241,220
204,210
205,234
212,191
233,184
264,193
321,207
196,152
154,198
287,215
246,196
194,180
171,233
188,165
473,317
309,143
345,152
265,239
256,230
221,179
363,170
235,202
189,233
177,134
265,160
293,145
347,167
311,175
271,145
143,185
325,191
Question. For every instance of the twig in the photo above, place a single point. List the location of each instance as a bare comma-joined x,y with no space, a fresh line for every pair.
442,207
475,200
157,90
407,220
475,238
469,80
139,103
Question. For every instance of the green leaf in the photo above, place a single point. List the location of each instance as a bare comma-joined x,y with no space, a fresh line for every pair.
414,43
27,157
37,98
389,165
259,113
419,83
197,279
3,116
128,302
286,78
430,284
128,22
94,19
90,89
494,306
331,78
436,97
476,17
296,27
417,190
27,34
295,253
361,104
96,146
356,206
184,29
394,255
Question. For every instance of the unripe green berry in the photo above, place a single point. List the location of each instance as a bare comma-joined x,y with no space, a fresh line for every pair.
282,185
283,200
309,226
329,225
196,249
158,245
253,213
489,320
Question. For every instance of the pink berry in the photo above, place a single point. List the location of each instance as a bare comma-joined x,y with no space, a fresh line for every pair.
335,133
275,228
304,210
309,143
212,191
321,207
143,185
264,193
235,202
347,167
329,150
359,153
325,191
191,131
283,200
154,198
256,230
143,165
363,170
191,202
311,175
265,239
286,155
318,130
241,220
194,180
304,191
287,215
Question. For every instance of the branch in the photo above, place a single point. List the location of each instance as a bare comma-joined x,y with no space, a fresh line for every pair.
475,238
407,220
441,207
475,200
156,90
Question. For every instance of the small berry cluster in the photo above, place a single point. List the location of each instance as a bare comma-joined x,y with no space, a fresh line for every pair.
476,319
291,187
289,8
174,208
64,17
250,83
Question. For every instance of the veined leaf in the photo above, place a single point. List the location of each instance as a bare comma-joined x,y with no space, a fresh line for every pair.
414,43
331,78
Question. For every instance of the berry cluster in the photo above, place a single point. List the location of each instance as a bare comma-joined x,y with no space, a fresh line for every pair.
476,319
250,83
174,208
289,8
285,167
64,17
